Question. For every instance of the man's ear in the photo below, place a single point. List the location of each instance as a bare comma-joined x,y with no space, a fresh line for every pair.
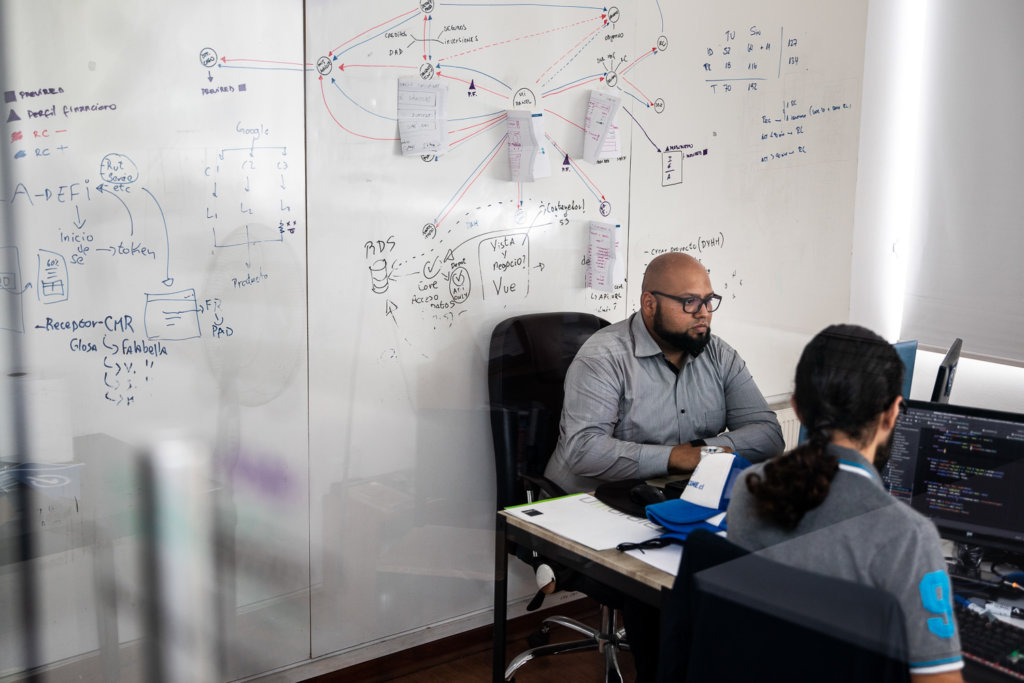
647,303
890,414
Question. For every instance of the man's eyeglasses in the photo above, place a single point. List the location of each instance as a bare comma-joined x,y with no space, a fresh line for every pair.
692,304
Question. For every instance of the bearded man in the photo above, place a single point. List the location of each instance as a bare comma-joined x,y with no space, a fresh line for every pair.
643,395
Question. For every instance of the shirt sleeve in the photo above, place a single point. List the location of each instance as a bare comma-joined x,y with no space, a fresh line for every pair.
913,569
590,412
753,428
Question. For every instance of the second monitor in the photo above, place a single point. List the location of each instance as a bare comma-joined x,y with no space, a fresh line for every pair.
963,468
947,371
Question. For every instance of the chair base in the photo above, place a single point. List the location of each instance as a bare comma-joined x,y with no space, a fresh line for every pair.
608,639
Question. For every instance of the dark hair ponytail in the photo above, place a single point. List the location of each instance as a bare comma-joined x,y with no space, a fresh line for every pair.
847,376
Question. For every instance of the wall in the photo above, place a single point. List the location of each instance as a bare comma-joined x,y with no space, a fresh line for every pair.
889,209
315,306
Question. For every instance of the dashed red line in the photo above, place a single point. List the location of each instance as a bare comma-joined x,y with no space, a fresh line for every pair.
583,40
513,40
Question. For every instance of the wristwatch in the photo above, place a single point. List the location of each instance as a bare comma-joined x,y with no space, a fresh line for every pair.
698,443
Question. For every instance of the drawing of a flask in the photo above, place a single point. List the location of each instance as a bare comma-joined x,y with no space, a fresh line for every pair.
379,276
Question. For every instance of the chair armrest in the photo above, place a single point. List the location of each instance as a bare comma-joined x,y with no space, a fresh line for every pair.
548,487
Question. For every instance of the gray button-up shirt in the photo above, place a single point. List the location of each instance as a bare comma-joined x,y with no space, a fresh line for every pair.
626,407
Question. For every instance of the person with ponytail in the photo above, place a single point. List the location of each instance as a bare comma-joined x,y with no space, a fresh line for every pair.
822,506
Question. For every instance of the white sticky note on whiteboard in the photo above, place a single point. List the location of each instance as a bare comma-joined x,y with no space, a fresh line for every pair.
600,117
601,257
527,157
422,116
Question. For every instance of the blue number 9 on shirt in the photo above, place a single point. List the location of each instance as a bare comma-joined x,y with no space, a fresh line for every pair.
937,597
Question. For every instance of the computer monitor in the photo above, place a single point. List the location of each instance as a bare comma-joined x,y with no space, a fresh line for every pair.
963,468
908,354
947,370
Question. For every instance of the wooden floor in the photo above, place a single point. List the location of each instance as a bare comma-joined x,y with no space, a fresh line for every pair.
467,658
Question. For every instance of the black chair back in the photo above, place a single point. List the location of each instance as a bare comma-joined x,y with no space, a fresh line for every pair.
734,616
529,357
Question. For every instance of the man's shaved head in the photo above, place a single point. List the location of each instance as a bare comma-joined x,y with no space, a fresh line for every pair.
660,271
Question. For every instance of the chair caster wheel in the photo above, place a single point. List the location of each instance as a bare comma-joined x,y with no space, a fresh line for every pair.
541,636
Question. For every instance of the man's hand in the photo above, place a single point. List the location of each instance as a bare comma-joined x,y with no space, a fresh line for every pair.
684,458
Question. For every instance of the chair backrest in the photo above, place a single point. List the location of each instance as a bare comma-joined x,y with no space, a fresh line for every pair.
736,616
529,357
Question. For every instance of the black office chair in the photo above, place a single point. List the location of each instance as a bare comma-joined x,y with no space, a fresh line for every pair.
530,355
735,616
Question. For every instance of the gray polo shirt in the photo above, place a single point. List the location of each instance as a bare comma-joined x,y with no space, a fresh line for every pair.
861,533
626,407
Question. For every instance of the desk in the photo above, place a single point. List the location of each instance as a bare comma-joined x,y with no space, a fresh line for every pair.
616,569
611,567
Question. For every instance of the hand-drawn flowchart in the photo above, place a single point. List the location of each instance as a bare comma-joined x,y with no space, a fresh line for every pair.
475,246
106,235
479,238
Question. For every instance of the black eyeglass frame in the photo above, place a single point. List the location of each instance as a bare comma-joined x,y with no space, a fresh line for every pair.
710,302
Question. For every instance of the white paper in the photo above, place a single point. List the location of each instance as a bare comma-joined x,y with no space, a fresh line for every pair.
612,146
422,116
585,519
666,559
601,257
527,157
600,116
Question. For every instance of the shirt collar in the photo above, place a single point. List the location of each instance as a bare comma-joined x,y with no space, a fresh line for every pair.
644,345
853,462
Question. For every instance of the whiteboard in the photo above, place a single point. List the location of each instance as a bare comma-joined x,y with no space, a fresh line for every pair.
762,124
398,354
155,279
414,262
317,305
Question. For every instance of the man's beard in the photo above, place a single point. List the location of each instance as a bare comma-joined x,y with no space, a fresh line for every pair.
882,453
681,340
